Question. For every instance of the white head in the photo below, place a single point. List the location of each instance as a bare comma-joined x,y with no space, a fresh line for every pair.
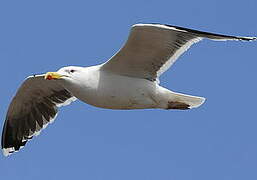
67,73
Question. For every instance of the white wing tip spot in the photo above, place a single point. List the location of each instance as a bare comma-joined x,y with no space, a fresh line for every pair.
8,151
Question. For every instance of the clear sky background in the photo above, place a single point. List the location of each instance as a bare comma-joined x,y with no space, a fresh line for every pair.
214,142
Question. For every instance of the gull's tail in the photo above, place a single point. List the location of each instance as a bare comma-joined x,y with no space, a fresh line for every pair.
171,100
183,101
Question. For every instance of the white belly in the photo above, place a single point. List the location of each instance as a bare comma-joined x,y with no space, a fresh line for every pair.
115,92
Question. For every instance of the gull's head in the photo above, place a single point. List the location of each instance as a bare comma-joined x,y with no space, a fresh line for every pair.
70,72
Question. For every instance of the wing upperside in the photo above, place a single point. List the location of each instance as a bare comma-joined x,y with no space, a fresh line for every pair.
34,106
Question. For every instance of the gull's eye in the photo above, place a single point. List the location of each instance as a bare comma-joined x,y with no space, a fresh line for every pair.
72,71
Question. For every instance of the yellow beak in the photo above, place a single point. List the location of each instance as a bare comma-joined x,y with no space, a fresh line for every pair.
52,75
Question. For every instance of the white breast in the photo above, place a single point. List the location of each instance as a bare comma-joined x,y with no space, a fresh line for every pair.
107,90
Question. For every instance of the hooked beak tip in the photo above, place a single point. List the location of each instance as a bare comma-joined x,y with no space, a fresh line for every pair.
52,75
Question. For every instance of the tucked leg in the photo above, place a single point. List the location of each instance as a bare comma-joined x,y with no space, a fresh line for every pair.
178,105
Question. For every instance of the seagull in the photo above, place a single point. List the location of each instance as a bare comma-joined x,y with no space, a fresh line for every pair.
128,80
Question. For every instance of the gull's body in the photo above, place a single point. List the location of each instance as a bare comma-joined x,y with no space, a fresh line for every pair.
129,80
113,91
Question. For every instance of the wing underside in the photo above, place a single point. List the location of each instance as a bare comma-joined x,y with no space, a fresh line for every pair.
152,48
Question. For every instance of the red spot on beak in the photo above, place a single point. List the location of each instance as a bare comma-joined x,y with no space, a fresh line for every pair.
49,77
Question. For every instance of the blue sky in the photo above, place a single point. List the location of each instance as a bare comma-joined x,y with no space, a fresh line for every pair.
215,141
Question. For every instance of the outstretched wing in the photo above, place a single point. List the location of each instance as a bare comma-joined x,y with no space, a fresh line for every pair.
34,106
152,48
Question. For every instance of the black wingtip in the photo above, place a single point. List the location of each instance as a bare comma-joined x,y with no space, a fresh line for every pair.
247,38
204,34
